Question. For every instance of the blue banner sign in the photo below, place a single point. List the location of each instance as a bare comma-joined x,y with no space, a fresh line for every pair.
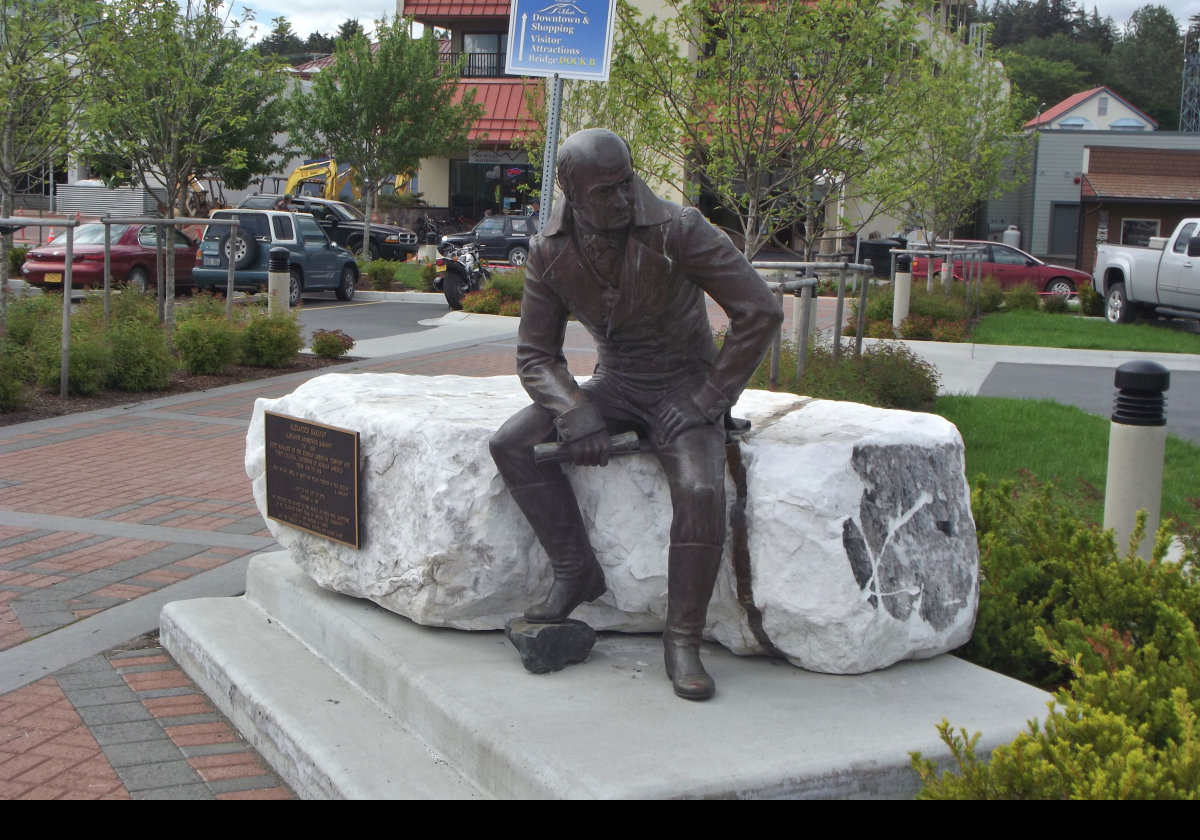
571,40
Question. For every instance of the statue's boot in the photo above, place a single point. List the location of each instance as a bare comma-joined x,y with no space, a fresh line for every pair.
691,574
551,509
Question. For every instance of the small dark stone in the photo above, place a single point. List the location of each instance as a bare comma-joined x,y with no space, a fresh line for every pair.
550,647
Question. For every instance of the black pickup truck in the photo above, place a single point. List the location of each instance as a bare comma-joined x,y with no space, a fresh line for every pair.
343,223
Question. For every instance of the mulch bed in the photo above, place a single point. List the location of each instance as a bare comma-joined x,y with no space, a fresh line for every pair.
41,405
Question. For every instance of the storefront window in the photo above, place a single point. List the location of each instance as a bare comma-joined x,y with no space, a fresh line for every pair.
476,188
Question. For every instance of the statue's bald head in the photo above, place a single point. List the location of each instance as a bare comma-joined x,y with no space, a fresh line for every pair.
597,150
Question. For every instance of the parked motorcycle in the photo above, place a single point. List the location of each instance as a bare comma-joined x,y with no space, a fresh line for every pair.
460,270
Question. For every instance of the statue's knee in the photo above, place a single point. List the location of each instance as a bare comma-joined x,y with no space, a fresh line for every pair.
699,516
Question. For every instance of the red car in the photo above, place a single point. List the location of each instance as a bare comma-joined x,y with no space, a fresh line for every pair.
1010,267
131,256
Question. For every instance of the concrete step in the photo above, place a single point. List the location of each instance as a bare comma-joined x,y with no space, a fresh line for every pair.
348,700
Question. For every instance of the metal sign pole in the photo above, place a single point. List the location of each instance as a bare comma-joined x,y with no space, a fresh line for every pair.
550,153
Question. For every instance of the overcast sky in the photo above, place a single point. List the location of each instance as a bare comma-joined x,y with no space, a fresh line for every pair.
308,16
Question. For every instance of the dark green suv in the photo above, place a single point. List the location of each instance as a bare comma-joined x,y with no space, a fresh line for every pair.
315,263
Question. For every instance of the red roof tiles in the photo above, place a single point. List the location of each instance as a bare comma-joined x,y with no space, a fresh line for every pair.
505,117
435,10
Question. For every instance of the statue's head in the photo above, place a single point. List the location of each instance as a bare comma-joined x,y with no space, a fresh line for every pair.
595,170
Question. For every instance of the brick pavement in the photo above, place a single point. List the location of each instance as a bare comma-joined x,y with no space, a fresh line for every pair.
100,509
168,475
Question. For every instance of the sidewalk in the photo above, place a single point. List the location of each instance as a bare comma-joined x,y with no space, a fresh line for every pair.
106,516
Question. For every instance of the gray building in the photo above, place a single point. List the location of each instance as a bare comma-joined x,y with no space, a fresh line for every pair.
1045,208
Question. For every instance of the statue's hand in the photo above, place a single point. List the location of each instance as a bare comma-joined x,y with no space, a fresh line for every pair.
591,450
676,417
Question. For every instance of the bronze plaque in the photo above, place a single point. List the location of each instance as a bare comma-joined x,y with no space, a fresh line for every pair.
312,477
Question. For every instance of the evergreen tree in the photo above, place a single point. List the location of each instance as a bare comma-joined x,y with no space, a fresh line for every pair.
1148,64
348,30
282,40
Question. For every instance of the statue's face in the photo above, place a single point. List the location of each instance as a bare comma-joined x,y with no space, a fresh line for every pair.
603,195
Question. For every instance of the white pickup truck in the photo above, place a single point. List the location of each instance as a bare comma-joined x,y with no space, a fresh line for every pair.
1142,280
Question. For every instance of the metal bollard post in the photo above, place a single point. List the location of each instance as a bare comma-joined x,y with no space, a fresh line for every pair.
902,291
776,346
278,281
428,253
1136,445
806,318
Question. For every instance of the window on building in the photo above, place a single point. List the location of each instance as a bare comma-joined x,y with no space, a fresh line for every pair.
483,54
1126,124
1102,106
1138,231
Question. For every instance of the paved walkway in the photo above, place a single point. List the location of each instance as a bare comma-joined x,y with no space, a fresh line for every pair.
107,515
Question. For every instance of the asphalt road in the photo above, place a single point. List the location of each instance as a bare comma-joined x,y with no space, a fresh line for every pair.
1092,389
362,320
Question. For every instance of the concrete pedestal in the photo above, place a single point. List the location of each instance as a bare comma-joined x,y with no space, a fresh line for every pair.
348,700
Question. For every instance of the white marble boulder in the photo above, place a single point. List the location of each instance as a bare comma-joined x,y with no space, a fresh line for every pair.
851,544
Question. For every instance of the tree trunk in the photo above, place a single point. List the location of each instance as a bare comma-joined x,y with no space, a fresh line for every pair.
6,210
369,188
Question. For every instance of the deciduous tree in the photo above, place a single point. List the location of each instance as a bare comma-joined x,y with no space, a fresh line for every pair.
40,94
176,92
382,107
774,108
965,126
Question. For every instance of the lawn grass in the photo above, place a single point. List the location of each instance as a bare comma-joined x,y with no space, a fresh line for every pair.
1005,438
1027,328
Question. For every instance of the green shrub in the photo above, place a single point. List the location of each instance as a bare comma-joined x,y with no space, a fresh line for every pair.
380,273
878,329
928,307
142,357
331,344
1023,296
1091,302
273,341
887,374
511,308
1116,636
483,302
879,305
898,378
955,331
89,363
917,328
1055,304
207,346
202,305
12,377
30,318
16,258
510,284
991,295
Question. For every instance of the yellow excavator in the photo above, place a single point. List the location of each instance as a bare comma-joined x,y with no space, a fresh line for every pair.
323,178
